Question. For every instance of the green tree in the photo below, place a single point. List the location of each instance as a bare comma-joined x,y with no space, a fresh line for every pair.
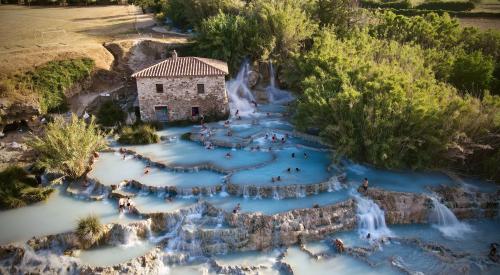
110,114
67,147
284,26
342,14
472,73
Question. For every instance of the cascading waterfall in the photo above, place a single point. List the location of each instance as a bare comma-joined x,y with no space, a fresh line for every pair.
371,218
275,94
334,184
445,221
240,96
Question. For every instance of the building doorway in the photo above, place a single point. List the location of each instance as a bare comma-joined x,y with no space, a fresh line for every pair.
161,113
195,111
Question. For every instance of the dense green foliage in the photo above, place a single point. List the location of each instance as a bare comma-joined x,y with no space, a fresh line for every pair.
110,114
427,5
138,134
68,147
267,29
18,188
339,13
465,58
406,4
89,231
189,13
377,101
52,79
446,5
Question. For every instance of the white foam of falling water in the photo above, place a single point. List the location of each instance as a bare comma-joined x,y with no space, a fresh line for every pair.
240,96
371,219
275,94
446,222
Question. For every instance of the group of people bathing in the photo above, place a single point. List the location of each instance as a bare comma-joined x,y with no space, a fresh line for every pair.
289,169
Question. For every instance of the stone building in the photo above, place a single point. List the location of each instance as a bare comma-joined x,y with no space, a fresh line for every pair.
182,88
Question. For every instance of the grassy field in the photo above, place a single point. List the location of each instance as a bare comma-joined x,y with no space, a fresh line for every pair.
34,35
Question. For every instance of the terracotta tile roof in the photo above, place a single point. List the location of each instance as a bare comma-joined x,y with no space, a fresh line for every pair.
184,66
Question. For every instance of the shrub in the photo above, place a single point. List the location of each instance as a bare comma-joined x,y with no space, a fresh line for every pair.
67,147
110,114
472,73
138,134
18,188
405,4
446,5
89,231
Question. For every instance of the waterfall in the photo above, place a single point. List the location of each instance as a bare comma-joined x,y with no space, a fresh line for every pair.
240,96
334,184
275,94
445,221
276,195
371,218
246,193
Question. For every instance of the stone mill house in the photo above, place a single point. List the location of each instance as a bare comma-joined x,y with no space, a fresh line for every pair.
182,88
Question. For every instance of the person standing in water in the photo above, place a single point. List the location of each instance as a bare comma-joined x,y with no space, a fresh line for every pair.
365,184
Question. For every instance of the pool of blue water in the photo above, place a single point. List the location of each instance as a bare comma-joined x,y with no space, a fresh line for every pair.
113,168
403,181
293,166
188,153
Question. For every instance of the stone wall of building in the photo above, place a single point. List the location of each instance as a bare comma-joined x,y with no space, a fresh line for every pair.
180,94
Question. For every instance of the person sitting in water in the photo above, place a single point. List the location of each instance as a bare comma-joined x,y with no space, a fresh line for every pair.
268,114
365,184
238,118
297,169
121,204
289,170
129,203
237,208
267,136
339,244
293,155
493,252
228,155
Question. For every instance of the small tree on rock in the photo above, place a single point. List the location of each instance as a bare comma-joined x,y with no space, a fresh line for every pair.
68,147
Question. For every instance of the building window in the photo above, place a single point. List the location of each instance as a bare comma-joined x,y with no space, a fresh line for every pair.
159,88
195,111
201,88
